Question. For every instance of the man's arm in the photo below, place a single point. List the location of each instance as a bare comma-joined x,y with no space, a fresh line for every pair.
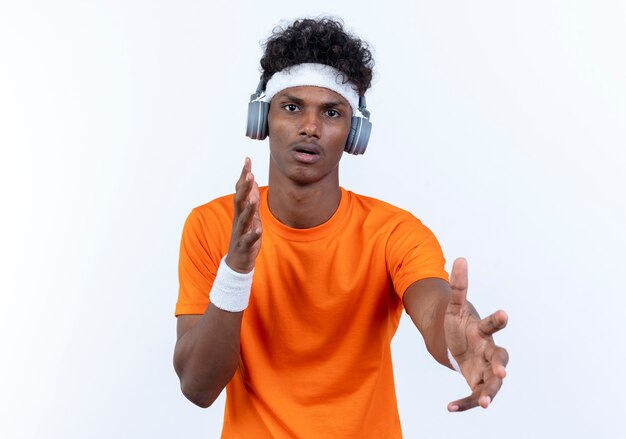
207,348
426,302
207,353
448,321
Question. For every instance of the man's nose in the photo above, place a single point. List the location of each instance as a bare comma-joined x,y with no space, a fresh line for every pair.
310,125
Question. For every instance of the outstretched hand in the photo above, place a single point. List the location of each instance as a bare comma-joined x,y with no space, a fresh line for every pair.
245,237
470,341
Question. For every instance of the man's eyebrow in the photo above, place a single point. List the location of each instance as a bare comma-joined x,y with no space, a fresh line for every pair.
332,104
291,98
299,101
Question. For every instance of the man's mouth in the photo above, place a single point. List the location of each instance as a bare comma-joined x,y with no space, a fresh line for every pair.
311,150
306,153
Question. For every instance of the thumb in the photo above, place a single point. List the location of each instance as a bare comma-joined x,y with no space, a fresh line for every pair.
458,282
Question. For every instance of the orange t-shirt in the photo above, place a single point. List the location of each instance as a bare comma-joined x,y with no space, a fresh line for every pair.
324,306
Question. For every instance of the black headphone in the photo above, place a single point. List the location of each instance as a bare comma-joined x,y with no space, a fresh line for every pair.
360,128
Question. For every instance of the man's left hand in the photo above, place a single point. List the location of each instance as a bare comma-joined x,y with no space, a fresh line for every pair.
470,341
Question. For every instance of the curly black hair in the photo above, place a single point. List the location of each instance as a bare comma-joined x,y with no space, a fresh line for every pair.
322,41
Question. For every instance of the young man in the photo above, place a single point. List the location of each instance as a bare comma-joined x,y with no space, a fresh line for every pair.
290,294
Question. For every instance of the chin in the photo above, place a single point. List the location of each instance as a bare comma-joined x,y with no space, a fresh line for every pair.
304,177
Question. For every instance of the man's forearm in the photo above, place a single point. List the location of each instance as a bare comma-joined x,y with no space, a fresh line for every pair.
207,353
426,302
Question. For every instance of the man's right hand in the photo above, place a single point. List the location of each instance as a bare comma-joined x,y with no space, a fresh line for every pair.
245,238
207,351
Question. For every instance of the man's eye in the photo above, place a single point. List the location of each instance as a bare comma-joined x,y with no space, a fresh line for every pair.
332,113
291,107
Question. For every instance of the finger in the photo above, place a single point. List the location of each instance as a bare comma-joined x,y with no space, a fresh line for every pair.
493,323
242,196
245,170
489,391
458,282
251,237
248,229
476,399
245,219
247,166
254,195
499,358
460,405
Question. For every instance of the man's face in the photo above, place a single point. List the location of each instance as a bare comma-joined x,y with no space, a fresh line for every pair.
308,129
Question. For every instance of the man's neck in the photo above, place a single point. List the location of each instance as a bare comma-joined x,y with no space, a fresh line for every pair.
303,207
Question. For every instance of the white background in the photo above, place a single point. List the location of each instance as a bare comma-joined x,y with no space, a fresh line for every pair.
501,124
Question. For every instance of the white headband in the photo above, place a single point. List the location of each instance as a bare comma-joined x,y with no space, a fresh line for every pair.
317,75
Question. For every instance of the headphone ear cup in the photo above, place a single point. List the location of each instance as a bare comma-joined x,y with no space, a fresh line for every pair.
257,120
360,130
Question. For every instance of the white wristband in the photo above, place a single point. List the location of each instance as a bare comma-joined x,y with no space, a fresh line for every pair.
231,290
453,362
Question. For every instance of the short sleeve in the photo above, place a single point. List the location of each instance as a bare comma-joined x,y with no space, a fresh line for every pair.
413,253
197,266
